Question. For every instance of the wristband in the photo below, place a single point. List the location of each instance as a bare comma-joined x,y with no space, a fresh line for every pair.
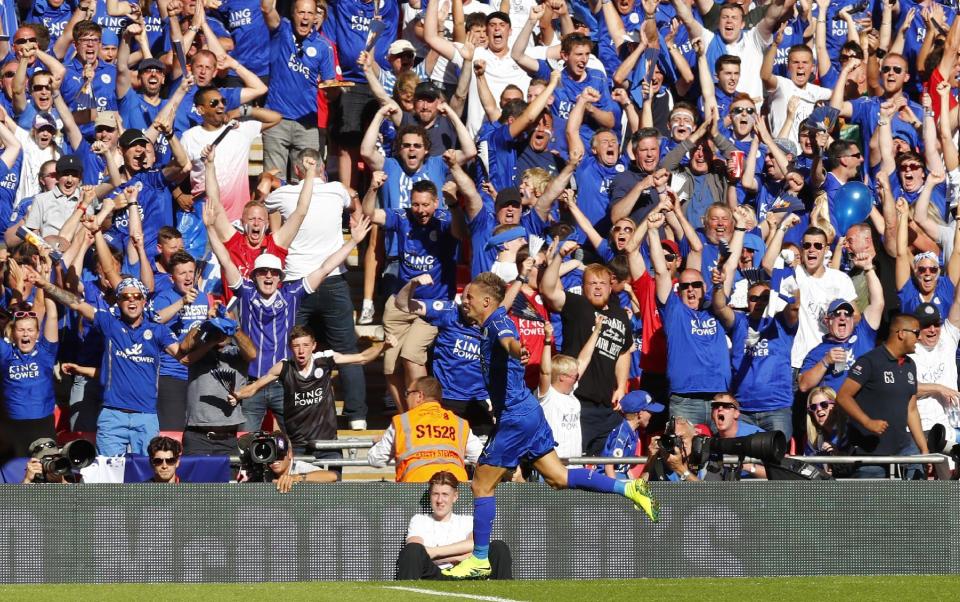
522,279
686,474
194,29
245,111
880,53
739,229
883,122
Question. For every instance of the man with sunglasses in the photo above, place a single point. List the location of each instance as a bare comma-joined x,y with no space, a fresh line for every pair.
865,111
880,397
761,344
164,454
818,286
129,368
233,151
849,335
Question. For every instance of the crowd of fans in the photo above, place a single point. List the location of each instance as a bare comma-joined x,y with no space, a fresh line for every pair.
662,186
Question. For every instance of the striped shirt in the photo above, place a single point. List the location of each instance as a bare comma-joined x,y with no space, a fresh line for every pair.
268,321
388,80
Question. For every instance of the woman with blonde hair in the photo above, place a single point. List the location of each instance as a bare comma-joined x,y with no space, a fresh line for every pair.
826,424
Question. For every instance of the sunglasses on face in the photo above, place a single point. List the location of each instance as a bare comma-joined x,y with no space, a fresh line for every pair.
131,297
685,285
19,41
841,313
215,102
911,167
856,155
168,461
741,110
823,405
816,245
24,314
758,298
723,406
41,87
623,228
416,145
888,68
915,331
926,269
669,257
268,272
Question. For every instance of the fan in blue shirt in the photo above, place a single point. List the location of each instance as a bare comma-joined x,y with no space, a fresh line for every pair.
348,25
456,350
299,59
27,360
246,24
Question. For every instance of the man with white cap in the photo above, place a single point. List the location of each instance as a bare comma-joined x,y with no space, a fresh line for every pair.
268,308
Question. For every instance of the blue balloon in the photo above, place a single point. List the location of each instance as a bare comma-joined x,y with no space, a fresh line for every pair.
851,205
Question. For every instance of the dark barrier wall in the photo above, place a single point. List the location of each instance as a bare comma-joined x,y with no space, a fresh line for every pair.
353,531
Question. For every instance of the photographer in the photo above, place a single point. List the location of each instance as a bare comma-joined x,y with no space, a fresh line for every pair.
725,412
218,357
43,466
669,458
285,471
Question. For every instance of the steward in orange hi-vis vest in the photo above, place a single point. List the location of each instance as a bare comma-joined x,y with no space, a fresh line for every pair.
429,439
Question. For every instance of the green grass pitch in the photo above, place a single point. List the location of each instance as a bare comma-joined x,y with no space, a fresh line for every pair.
781,589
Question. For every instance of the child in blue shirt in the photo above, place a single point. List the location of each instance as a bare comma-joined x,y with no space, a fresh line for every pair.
637,408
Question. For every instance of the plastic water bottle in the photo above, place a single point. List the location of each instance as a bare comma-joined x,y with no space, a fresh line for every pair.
35,240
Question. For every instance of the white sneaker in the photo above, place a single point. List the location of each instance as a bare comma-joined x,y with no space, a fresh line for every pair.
358,425
366,313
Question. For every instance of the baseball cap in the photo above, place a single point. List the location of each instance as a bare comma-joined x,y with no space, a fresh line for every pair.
401,46
43,447
150,64
427,90
106,119
44,120
507,196
268,261
788,146
109,37
838,304
670,245
753,242
638,401
727,399
69,163
928,314
498,14
132,137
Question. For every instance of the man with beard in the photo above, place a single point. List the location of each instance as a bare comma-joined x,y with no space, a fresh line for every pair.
234,155
427,243
880,397
140,107
427,99
605,380
697,355
299,59
634,191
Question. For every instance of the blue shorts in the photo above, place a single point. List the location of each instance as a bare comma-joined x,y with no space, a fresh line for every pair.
518,437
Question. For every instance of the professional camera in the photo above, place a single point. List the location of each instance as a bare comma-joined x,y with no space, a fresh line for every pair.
768,447
669,440
258,450
56,461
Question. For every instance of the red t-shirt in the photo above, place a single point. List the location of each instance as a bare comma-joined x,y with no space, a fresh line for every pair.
531,337
653,352
243,256
323,106
935,78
